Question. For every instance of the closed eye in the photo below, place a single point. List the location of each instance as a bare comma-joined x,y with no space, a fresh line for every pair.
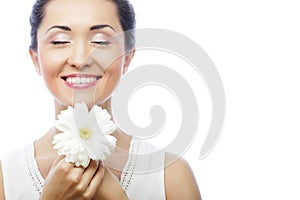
60,42
103,43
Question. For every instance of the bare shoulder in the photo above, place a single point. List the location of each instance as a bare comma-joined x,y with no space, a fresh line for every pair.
180,182
1,183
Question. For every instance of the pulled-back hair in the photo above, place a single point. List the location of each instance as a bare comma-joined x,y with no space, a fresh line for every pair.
125,11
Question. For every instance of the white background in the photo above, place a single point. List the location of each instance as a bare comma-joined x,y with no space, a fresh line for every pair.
255,46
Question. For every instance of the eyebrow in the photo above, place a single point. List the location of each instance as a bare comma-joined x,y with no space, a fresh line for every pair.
96,27
65,28
101,26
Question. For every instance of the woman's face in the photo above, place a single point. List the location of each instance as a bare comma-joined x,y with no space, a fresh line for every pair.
81,52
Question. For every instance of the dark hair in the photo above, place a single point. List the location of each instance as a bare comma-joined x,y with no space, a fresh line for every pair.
125,12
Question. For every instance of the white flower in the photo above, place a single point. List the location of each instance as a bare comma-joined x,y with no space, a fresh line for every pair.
84,135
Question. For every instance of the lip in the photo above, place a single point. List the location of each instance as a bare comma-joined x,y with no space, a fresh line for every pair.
81,81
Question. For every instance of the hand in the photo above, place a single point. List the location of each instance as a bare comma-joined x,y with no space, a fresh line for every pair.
110,188
65,181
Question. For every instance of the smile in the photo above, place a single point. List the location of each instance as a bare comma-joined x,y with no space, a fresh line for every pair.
81,81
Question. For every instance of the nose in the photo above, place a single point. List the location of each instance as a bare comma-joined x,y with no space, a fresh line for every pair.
80,55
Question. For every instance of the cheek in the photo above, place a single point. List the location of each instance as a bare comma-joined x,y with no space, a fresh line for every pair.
50,63
108,57
115,68
114,72
111,77
51,66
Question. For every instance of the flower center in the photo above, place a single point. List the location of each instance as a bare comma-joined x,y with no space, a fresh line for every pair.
85,133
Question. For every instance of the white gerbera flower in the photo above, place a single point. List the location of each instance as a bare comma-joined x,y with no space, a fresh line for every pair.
84,135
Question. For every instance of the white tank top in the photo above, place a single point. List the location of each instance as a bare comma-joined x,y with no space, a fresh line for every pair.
23,180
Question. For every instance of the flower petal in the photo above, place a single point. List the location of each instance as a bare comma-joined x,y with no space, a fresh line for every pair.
99,147
65,120
80,115
85,135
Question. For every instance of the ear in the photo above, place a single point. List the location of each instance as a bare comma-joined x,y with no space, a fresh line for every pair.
34,58
128,57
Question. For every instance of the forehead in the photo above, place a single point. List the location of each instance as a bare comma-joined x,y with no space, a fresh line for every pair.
81,13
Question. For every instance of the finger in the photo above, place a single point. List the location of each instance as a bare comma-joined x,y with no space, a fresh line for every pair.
87,176
63,176
71,175
71,178
59,166
66,167
95,182
57,160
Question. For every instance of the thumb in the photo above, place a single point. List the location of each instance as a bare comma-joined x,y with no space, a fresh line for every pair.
57,161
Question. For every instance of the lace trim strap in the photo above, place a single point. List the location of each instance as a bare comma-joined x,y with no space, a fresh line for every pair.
34,173
128,171
38,181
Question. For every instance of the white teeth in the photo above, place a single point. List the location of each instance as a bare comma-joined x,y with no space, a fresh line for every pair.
81,80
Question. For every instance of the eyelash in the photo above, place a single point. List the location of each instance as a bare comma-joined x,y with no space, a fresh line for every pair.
60,42
102,43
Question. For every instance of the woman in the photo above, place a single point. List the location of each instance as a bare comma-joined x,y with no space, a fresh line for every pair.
85,40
